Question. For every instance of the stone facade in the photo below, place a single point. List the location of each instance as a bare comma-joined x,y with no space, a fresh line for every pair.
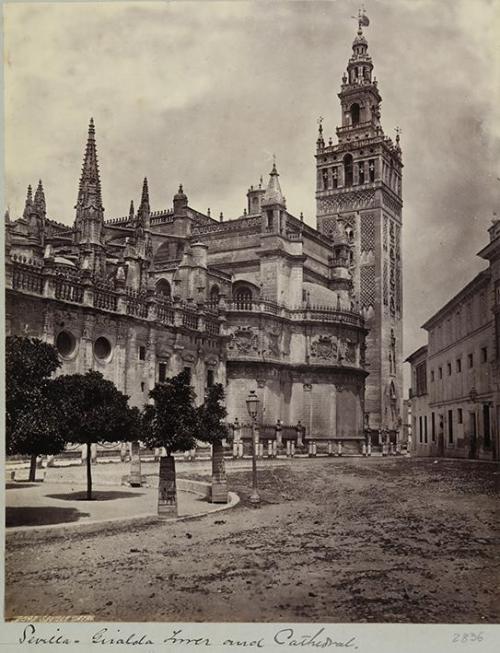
359,189
260,302
459,371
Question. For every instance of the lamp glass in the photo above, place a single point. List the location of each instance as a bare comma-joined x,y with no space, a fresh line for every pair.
252,404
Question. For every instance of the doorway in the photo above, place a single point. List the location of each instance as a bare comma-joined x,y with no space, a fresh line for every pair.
472,435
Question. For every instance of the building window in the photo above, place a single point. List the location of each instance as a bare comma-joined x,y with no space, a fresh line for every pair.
371,170
450,426
214,295
243,298
325,179
102,349
163,288
65,344
432,376
484,354
459,364
142,353
420,430
143,385
470,360
355,112
421,378
335,177
433,427
361,172
460,416
486,425
449,368
348,177
162,372
440,372
425,429
270,220
210,378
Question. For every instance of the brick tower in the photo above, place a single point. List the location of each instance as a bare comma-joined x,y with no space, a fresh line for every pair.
359,186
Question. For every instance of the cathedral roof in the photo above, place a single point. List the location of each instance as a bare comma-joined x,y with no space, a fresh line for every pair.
273,194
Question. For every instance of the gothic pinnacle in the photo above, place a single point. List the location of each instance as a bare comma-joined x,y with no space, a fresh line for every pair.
39,201
28,206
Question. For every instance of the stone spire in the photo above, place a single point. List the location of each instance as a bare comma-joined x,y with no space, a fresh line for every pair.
28,205
273,194
89,191
39,201
89,219
144,209
131,212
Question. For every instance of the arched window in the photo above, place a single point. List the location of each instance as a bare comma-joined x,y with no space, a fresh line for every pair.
214,295
243,298
355,111
348,170
163,288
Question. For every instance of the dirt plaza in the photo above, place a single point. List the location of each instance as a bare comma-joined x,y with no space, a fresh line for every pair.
334,540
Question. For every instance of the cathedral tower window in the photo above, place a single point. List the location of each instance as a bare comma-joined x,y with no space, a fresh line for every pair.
214,295
270,220
335,177
361,172
355,113
325,179
371,170
348,170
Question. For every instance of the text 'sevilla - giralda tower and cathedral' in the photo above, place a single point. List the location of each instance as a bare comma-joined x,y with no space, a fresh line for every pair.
308,318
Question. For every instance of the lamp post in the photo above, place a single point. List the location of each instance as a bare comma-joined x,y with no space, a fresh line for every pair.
252,407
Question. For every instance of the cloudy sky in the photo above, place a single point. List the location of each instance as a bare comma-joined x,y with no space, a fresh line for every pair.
204,93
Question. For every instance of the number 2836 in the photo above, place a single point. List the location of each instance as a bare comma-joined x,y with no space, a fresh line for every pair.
467,638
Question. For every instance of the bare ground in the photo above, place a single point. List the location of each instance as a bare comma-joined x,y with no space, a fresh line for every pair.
354,540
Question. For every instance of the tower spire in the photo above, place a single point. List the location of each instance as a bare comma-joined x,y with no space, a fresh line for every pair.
273,194
144,209
39,201
89,191
28,205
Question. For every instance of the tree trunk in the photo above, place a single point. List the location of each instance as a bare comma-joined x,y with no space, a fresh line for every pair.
219,481
32,474
135,478
89,472
167,493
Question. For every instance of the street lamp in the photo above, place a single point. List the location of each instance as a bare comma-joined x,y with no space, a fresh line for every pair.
253,407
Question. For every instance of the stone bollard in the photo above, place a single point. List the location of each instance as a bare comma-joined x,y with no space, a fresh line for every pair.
123,452
363,449
269,448
384,449
235,449
192,453
135,465
339,448
219,480
391,449
93,452
260,449
187,456
167,495
398,448
275,449
288,448
314,448
157,454
39,462
240,449
369,448
330,448
50,461
83,451
292,448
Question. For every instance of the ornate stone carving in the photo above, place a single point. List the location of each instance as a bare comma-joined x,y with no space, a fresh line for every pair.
367,232
273,343
244,340
324,347
367,286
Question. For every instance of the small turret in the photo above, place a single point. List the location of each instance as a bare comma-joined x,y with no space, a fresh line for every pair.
180,202
273,205
28,205
131,212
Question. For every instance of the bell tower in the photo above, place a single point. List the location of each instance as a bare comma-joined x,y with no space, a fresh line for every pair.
359,185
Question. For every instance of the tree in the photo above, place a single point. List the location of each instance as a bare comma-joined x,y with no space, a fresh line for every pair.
33,421
170,422
93,410
213,430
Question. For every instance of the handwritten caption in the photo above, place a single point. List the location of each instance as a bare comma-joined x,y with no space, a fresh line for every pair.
317,638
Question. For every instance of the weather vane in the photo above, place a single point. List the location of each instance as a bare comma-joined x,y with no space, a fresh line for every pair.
362,18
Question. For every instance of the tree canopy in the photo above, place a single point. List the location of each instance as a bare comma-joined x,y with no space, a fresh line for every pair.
172,421
211,415
33,420
94,409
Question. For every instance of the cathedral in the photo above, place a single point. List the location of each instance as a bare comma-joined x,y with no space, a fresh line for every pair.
309,318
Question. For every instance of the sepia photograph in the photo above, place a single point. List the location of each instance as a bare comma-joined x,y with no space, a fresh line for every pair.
251,317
